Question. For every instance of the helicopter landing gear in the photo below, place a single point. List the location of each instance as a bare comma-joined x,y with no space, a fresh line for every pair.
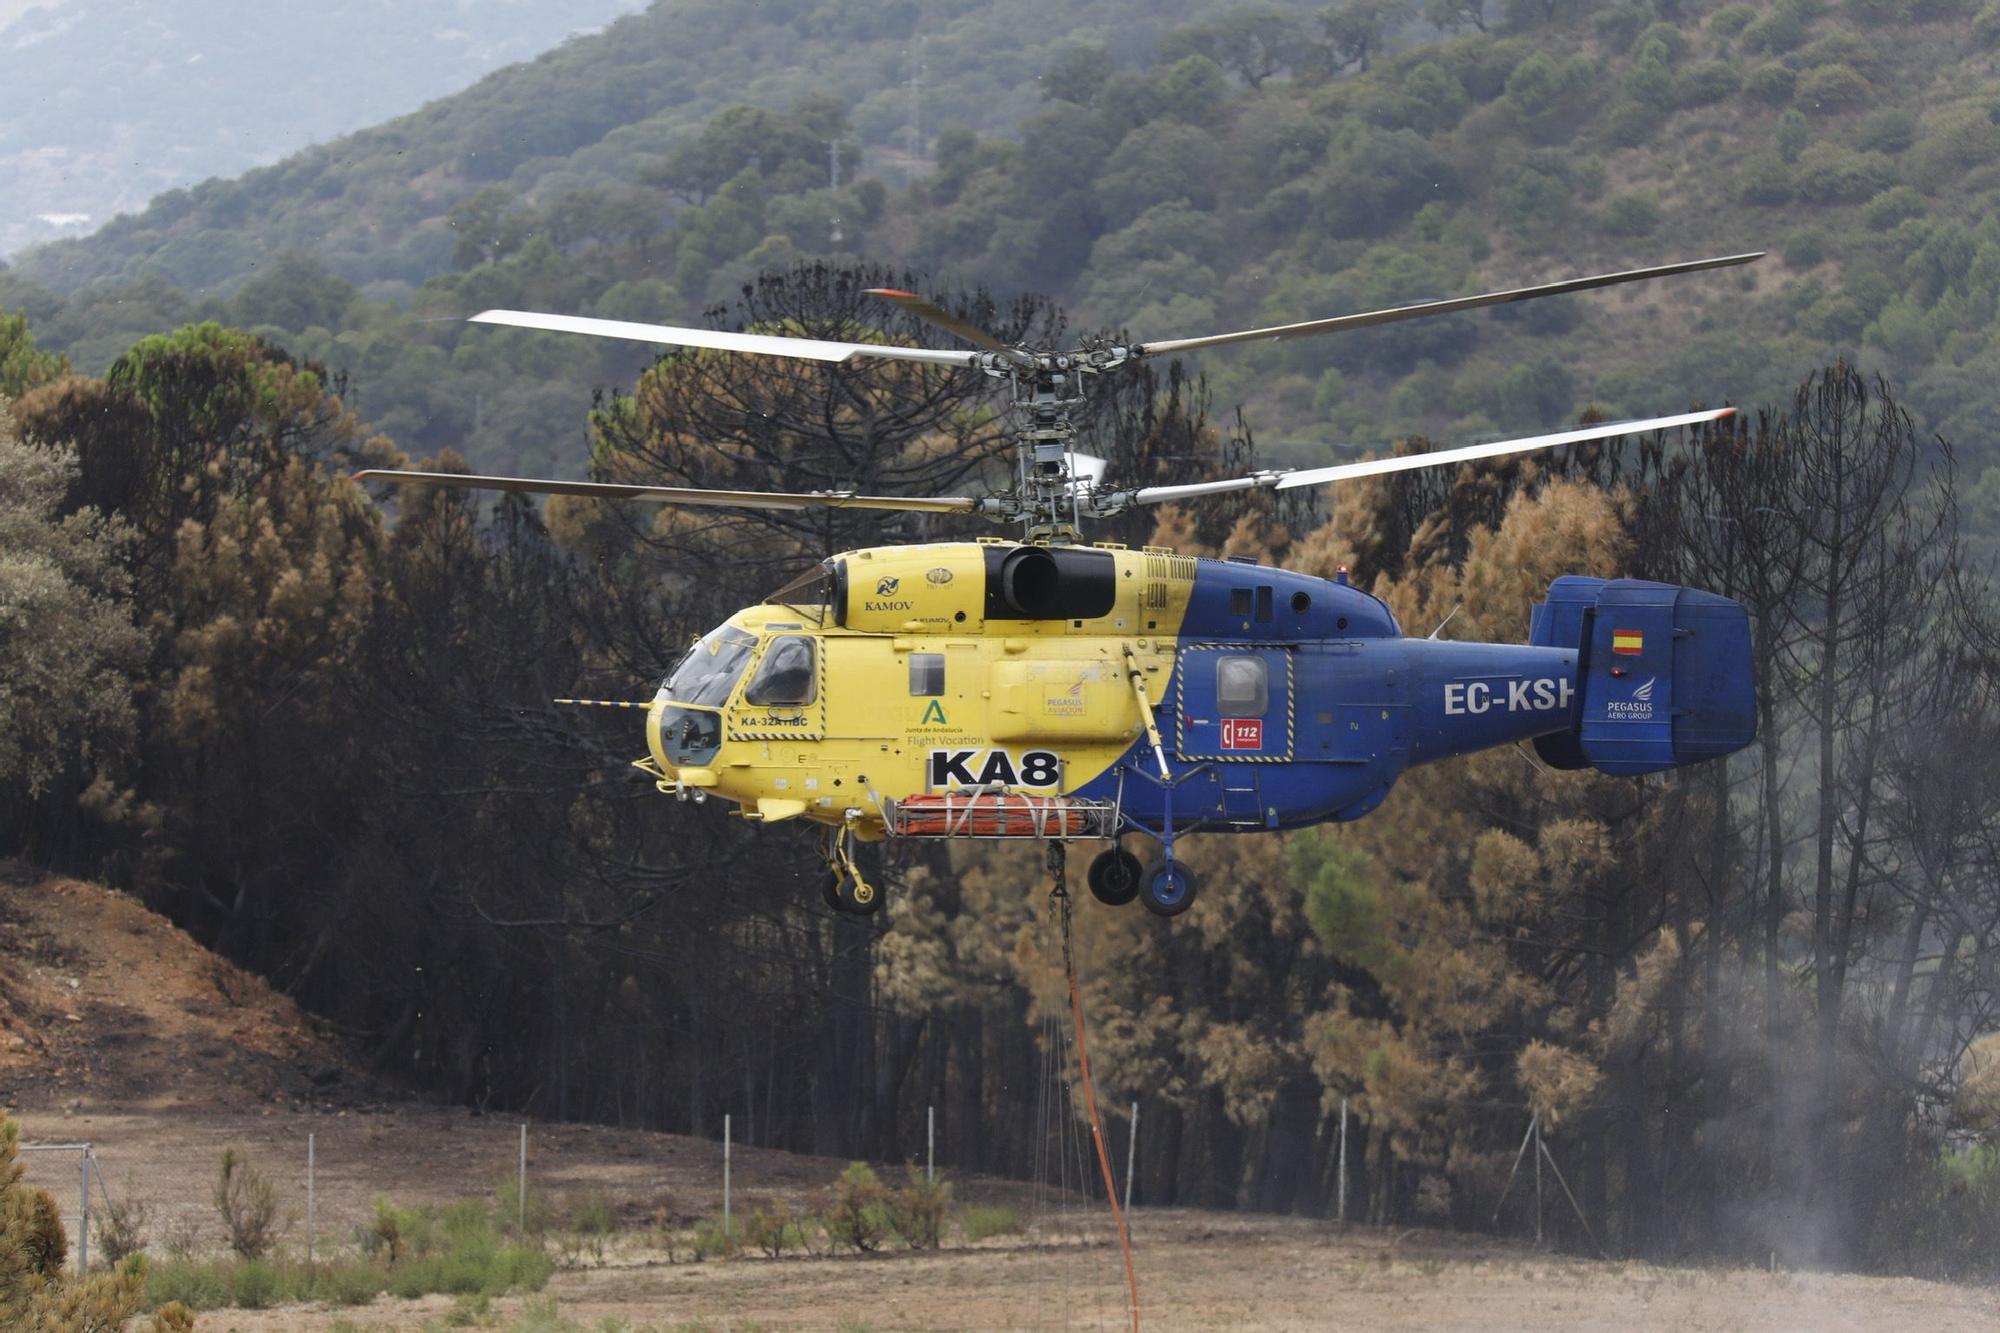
1168,888
843,888
1114,876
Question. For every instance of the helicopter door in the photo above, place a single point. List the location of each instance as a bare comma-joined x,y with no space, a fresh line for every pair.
1234,702
784,699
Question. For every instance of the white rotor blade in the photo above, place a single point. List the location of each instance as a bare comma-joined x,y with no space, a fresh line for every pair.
681,495
757,344
1320,476
1373,317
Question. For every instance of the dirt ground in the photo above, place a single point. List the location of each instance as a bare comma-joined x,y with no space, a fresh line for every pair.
119,1030
1197,1270
103,1001
1202,1271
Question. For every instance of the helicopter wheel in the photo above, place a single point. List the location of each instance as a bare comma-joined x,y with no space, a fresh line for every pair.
1115,876
860,898
829,889
1168,888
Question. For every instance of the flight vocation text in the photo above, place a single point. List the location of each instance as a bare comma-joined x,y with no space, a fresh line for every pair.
1513,696
984,768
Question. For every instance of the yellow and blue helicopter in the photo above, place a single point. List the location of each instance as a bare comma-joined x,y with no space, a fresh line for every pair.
1044,687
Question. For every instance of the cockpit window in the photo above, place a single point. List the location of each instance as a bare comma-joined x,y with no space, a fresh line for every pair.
711,668
786,675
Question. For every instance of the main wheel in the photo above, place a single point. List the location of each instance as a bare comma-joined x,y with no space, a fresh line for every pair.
829,889
1114,876
1168,888
860,897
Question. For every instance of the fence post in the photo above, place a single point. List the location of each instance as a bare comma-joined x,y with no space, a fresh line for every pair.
1536,1129
1342,1214
83,1218
521,1186
1131,1155
312,1214
725,1176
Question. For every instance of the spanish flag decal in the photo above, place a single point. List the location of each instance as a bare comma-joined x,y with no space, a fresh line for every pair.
1628,642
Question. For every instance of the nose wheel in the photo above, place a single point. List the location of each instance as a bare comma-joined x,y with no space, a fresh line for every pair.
1168,888
843,887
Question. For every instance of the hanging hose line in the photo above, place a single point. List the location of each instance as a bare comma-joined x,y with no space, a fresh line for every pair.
1059,901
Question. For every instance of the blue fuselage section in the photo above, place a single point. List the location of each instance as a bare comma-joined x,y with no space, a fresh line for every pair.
1296,700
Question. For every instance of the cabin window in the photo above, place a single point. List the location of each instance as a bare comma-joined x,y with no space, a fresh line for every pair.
1263,603
1242,686
926,674
786,674
711,668
1239,601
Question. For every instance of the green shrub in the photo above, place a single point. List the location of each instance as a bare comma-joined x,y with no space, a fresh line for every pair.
1649,83
590,1214
1618,28
121,1229
199,1286
254,1285
858,1216
1804,247
540,1213
1771,83
1731,19
983,1220
46,1245
916,1211
1833,88
1894,205
1778,31
1889,130
1793,135
1829,173
1666,39
1635,214
774,1230
1707,83
712,1240
384,1233
1630,124
248,1206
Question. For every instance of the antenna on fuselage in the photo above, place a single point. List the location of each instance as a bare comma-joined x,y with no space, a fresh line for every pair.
1446,621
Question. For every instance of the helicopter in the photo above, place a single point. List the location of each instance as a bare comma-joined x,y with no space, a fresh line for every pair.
1051,688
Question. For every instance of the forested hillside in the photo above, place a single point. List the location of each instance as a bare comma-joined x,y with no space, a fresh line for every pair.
1752,1004
1259,164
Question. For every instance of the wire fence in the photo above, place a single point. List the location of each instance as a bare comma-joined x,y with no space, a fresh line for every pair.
153,1183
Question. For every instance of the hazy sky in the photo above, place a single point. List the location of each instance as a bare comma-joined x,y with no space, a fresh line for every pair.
109,102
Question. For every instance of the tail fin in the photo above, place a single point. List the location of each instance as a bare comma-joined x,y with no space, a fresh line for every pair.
1663,674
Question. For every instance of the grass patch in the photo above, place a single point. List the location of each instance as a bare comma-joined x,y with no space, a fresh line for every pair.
406,1252
979,1221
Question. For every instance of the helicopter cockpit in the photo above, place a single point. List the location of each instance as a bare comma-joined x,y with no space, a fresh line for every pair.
695,691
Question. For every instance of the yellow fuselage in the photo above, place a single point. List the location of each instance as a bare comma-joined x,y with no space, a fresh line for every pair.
922,687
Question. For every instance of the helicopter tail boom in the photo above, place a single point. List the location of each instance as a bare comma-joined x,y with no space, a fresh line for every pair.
1664,674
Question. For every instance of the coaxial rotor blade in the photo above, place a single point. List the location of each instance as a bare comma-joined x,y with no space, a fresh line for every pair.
1320,476
932,313
1370,318
678,495
757,344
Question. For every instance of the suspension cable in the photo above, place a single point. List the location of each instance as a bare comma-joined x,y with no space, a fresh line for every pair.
1059,900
